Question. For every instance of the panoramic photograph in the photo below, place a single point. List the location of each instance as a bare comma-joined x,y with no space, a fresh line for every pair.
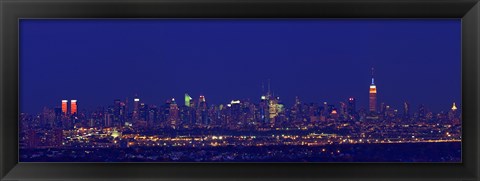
240,90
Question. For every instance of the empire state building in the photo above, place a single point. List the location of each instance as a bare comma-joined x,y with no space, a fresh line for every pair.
373,96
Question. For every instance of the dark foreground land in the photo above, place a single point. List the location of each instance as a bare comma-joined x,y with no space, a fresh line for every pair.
398,152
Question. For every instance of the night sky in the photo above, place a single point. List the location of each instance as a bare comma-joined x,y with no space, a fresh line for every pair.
97,61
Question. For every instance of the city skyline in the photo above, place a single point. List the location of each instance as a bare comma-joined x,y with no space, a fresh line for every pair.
264,130
269,110
243,90
373,104
317,61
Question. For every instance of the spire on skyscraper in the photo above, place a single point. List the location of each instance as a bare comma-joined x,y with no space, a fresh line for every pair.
268,93
454,107
373,79
372,95
263,87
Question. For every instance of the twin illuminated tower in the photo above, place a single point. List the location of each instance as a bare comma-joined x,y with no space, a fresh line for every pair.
372,96
73,107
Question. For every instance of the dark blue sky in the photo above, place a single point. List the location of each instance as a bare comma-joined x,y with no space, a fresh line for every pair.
96,61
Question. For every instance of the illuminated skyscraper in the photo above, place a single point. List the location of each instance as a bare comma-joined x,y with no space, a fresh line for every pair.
173,117
143,112
263,110
73,107
272,110
351,108
373,96
64,107
453,115
187,100
202,99
325,109
136,102
202,114
454,107
236,111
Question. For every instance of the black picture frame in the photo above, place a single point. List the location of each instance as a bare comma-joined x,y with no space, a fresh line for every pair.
12,10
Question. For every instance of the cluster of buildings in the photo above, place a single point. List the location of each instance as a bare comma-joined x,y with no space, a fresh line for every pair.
53,126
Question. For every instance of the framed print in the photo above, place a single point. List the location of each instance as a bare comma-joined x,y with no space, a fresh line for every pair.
239,90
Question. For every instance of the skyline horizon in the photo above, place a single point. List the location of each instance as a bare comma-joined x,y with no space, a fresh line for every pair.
457,102
180,103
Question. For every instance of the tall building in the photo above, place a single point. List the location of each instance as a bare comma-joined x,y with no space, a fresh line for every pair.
295,111
373,96
152,115
173,117
108,118
343,109
382,107
351,107
164,111
64,107
58,117
406,109
187,100
73,107
454,107
136,103
325,109
123,112
280,112
202,111
236,111
453,111
143,112
453,115
263,110
116,112
272,110
202,99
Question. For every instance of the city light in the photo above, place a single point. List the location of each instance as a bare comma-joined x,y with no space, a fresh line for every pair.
265,124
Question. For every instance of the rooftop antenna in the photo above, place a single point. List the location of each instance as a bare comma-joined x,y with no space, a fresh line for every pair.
373,80
268,86
263,87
